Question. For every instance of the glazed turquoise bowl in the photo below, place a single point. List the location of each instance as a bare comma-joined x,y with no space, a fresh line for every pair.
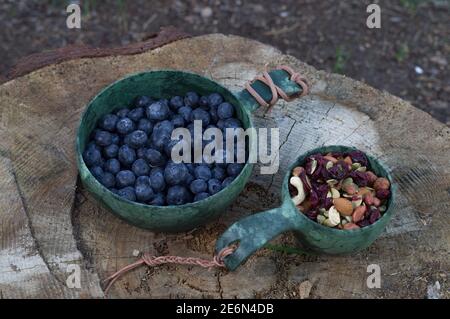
164,84
255,231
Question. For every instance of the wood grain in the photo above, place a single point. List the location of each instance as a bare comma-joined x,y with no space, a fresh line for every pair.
39,115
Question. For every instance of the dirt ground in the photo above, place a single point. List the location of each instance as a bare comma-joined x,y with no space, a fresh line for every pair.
408,56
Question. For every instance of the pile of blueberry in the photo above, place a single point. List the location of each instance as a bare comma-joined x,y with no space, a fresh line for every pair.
129,151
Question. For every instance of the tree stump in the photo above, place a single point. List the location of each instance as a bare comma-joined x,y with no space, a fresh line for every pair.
48,221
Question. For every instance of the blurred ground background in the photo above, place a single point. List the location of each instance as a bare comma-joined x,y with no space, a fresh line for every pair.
408,56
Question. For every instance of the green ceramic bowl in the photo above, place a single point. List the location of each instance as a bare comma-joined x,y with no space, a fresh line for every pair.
254,231
164,84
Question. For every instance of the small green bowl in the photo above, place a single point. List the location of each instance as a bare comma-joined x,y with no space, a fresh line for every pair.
254,231
164,84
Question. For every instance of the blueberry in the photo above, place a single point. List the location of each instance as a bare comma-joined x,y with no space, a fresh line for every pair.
140,152
112,165
125,178
190,167
191,99
203,102
163,128
108,180
111,151
227,181
97,172
214,186
157,180
92,156
178,195
176,102
114,190
115,139
127,193
108,122
175,173
154,157
177,121
201,115
103,138
215,99
159,141
142,101
201,196
186,113
202,172
213,114
157,111
140,167
189,179
137,139
233,169
136,114
198,186
221,124
126,155
144,193
121,113
143,180
125,126
225,110
92,145
158,200
219,173
232,123
146,126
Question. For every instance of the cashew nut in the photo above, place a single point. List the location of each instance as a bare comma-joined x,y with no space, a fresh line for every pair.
298,184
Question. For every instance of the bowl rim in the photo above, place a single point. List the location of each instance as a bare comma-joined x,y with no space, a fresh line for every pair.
389,207
81,164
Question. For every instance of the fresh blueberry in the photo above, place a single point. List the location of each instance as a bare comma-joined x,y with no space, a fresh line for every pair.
227,181
190,167
198,186
125,178
176,102
219,173
177,121
233,169
157,180
213,114
202,172
143,180
108,122
178,195
144,193
214,186
92,156
215,99
146,126
103,138
97,172
221,124
157,111
159,141
140,152
126,155
191,99
127,193
142,101
189,179
175,173
108,180
121,113
201,196
136,114
232,123
140,167
225,110
186,113
125,126
201,115
154,157
115,139
114,190
203,102
163,128
158,200
112,165
137,139
111,151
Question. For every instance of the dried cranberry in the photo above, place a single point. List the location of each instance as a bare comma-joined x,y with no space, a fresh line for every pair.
314,199
363,223
374,215
339,170
358,157
327,203
360,178
383,193
312,214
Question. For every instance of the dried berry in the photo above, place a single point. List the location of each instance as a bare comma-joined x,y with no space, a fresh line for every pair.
381,183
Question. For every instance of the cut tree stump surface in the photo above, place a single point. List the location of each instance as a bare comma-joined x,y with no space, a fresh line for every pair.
48,221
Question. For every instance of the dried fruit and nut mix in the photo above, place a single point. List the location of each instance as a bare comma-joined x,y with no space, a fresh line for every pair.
338,190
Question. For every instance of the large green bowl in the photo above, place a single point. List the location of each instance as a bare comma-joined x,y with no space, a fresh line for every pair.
164,84
254,231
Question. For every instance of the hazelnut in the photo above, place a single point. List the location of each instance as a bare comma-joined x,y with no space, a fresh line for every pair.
381,183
